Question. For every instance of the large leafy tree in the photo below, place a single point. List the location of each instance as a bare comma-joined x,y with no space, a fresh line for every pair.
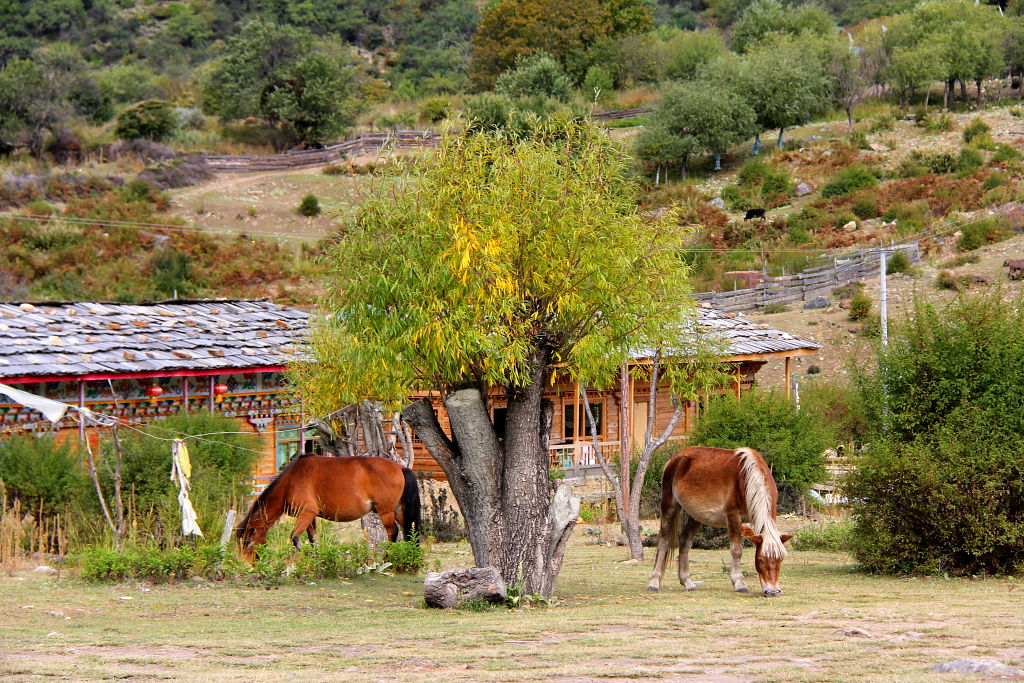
771,16
703,118
507,263
510,29
286,76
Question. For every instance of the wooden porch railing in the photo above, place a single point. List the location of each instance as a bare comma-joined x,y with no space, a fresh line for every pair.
580,459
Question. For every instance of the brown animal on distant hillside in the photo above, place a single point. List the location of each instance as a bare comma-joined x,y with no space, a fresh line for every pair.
1016,267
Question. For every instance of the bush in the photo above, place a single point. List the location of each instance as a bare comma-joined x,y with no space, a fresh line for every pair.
1004,153
978,234
860,306
898,262
309,206
538,74
488,112
864,207
939,124
941,487
598,83
970,160
830,537
848,180
975,129
152,120
42,473
994,180
405,557
859,139
434,109
790,441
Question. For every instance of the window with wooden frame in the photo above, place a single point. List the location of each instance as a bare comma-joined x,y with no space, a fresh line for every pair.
573,414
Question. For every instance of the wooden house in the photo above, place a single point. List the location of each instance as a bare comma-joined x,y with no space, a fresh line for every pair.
144,362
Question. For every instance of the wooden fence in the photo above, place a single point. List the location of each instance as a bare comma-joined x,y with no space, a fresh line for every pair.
366,142
621,114
808,284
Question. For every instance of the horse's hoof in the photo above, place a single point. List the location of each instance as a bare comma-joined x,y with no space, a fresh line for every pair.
691,588
653,589
743,590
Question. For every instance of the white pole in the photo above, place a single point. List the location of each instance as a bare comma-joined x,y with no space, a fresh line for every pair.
229,526
883,308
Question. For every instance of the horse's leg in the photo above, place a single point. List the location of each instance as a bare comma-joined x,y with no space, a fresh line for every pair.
311,531
690,530
303,521
666,539
736,549
390,523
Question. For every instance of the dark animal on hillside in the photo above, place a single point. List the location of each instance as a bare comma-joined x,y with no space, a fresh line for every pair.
721,487
1016,267
754,213
338,489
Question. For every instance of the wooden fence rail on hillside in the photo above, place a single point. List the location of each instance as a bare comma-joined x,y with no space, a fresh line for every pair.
810,283
365,143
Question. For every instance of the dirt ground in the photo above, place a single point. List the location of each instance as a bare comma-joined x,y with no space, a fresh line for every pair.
832,624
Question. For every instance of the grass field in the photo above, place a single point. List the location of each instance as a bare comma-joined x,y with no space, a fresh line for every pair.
603,627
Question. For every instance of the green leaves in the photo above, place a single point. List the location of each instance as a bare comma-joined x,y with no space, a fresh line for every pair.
500,250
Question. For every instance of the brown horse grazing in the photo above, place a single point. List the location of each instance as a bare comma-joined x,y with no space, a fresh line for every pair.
339,489
723,488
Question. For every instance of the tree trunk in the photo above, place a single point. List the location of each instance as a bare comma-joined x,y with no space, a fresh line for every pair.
977,82
779,145
963,91
849,117
118,501
756,149
503,488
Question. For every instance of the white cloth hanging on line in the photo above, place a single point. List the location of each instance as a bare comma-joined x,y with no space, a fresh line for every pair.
181,471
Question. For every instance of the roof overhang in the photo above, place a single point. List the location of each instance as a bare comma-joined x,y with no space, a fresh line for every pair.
101,376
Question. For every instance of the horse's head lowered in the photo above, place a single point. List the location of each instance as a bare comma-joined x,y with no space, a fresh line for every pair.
767,564
252,532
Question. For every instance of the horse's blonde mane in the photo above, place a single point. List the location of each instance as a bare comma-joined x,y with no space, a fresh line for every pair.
759,503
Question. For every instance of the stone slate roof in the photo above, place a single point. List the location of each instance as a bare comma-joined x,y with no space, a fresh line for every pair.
87,338
741,337
78,339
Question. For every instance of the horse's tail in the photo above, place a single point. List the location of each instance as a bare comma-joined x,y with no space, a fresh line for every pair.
760,502
671,512
411,522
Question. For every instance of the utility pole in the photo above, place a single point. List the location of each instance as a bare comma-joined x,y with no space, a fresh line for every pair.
883,308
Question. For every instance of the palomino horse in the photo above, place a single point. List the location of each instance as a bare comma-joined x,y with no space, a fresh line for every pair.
339,489
723,488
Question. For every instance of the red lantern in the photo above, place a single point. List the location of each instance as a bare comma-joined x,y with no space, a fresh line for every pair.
218,391
154,391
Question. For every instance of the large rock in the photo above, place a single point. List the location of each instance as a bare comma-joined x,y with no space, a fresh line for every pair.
818,302
446,589
988,667
717,202
802,189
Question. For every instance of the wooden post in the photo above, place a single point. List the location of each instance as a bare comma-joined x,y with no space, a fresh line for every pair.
787,375
184,395
576,427
212,397
625,432
737,381
81,415
229,526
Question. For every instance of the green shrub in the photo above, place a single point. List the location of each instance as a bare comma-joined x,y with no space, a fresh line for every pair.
941,488
434,109
898,262
829,536
939,124
753,171
536,74
864,207
776,183
405,557
859,139
42,473
970,160
598,83
790,441
1016,112
947,280
860,306
848,180
975,129
309,206
849,290
978,234
152,120
735,199
994,180
488,112
882,122
1004,153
